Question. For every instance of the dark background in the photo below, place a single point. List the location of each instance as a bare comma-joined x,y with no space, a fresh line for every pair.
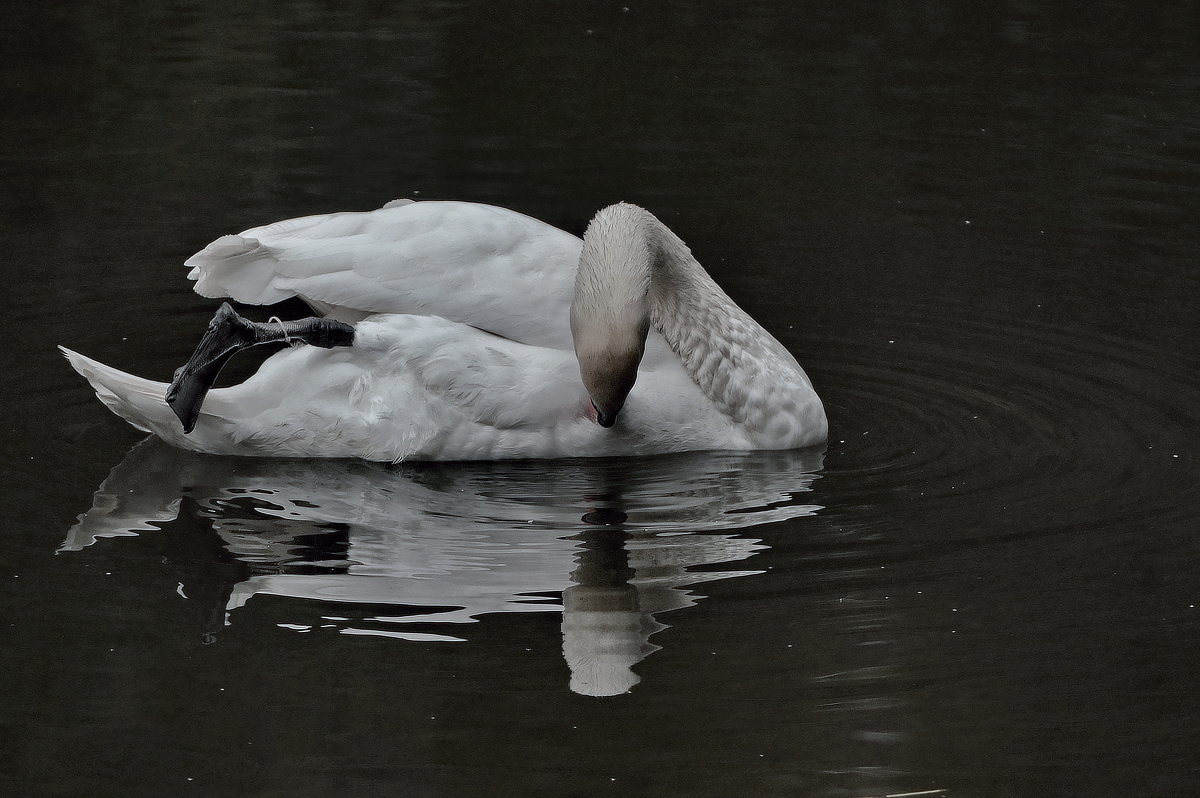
975,224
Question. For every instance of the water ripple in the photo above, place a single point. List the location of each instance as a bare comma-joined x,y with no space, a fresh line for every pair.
1016,415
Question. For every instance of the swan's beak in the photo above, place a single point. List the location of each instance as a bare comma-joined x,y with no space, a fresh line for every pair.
605,420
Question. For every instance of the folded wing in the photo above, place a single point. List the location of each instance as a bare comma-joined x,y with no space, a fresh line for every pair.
491,268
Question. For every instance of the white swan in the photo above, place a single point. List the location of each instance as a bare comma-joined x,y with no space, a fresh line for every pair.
478,333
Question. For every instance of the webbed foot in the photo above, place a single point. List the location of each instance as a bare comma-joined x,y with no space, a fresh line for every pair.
227,334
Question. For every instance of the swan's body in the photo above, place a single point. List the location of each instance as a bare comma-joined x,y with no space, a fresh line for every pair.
473,326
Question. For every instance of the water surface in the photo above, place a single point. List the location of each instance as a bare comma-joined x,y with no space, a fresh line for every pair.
976,228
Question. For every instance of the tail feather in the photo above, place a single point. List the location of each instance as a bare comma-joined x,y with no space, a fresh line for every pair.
143,404
139,401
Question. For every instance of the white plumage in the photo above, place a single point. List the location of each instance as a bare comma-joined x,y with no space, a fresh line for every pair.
463,345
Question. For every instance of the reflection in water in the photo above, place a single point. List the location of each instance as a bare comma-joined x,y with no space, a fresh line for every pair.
445,544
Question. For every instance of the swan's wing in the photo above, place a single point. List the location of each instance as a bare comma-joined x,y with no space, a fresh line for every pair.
491,381
489,267
410,387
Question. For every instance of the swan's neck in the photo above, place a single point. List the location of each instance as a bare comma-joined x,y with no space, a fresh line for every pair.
747,374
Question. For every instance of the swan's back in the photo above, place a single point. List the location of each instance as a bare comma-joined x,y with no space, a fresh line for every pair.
492,268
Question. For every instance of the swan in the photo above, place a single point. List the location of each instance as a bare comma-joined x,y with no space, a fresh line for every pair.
462,331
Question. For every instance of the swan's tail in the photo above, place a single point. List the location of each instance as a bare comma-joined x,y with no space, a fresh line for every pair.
139,401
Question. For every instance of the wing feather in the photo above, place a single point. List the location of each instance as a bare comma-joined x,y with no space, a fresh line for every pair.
492,268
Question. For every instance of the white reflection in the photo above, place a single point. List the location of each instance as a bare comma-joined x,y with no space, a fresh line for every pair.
437,544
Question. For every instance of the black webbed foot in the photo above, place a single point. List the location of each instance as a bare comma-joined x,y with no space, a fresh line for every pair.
227,334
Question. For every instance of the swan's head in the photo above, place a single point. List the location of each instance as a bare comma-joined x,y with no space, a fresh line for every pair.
608,363
610,315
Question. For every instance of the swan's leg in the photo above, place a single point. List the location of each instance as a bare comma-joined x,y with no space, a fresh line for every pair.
227,334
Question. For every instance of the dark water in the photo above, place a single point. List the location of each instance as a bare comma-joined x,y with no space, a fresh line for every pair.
977,227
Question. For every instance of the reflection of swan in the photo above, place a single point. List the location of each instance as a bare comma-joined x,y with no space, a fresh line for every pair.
474,327
423,546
